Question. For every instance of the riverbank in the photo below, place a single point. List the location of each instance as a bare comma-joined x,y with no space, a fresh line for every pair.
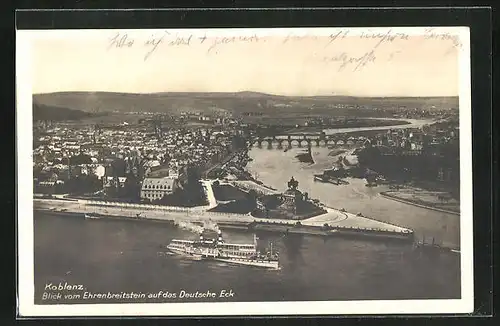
319,219
331,220
257,225
393,196
354,123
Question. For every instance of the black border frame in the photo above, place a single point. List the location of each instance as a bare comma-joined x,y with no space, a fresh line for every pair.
478,19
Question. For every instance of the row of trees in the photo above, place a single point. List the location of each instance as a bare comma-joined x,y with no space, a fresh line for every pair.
83,184
130,190
423,167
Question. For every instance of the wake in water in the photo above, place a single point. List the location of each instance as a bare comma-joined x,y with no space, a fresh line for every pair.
210,225
189,226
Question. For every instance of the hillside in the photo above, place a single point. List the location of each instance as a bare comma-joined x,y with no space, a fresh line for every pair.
171,102
47,112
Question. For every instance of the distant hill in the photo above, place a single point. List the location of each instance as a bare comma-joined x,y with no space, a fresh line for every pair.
238,102
54,113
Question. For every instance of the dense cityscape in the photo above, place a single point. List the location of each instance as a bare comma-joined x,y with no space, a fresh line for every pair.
161,159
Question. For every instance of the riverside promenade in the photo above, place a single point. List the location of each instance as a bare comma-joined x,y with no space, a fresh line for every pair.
335,219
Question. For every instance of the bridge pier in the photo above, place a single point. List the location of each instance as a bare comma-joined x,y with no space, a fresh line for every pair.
304,140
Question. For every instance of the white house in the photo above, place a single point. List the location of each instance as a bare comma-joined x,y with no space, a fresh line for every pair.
157,188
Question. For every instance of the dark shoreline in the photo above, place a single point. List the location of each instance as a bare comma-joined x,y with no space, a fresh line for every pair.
386,194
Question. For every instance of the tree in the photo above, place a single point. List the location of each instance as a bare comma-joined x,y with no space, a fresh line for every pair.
192,193
131,187
94,184
80,159
252,193
119,167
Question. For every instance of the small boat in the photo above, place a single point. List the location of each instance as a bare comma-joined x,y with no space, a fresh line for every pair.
382,182
326,179
423,245
92,217
318,177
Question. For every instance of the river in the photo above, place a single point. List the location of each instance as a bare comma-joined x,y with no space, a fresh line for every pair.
275,168
124,256
412,123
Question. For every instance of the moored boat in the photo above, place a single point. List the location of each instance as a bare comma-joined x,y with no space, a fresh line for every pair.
326,179
90,216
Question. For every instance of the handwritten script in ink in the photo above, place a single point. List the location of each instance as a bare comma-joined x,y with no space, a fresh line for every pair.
357,62
434,34
167,39
343,58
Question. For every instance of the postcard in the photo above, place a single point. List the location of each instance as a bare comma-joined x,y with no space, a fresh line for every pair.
248,172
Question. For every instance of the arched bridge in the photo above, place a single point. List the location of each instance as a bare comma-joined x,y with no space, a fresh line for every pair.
307,140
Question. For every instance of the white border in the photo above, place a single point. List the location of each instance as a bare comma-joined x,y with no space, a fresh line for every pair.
27,308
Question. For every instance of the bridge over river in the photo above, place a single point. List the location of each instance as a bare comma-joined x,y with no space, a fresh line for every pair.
307,140
331,137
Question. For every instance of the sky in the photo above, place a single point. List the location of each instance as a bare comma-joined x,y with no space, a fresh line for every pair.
351,62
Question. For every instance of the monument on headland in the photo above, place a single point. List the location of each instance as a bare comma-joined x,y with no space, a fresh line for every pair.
293,184
289,199
292,204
